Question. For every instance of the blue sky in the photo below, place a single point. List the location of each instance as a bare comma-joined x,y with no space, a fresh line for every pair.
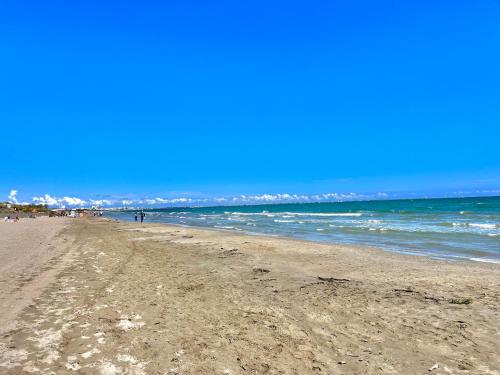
203,99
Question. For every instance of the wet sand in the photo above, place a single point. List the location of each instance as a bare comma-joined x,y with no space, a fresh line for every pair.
157,299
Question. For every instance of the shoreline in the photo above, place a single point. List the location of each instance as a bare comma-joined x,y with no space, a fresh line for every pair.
353,245
155,298
360,249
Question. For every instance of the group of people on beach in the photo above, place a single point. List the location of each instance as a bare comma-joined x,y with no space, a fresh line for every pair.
141,214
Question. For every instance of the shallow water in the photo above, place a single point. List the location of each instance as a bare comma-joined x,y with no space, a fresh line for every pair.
461,228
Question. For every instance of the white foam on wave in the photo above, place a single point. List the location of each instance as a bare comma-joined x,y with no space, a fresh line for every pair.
293,214
378,229
223,227
235,219
283,221
332,214
486,260
483,226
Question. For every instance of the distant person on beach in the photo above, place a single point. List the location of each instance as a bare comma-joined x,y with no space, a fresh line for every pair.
11,218
135,216
142,216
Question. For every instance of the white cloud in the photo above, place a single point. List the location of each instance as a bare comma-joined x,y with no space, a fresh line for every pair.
161,200
240,199
13,196
101,202
46,199
156,201
286,197
59,202
73,201
181,200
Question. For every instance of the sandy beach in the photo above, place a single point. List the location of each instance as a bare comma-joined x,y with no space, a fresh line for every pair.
95,296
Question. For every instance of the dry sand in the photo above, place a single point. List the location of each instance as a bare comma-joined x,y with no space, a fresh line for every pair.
151,299
29,252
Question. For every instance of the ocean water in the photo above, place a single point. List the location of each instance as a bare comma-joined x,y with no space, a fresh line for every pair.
462,228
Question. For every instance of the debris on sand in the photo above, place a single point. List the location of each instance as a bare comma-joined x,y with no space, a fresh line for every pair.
405,290
73,366
461,301
332,279
435,367
261,270
229,252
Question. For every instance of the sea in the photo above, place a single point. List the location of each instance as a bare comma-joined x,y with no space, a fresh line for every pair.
449,228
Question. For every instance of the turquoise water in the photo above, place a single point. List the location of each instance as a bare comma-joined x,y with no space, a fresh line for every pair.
462,228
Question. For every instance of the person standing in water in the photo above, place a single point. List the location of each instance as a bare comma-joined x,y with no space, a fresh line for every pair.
142,216
136,216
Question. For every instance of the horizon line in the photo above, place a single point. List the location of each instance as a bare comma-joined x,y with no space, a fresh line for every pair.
315,202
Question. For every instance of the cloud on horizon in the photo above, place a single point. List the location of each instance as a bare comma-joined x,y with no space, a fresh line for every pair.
77,202
12,198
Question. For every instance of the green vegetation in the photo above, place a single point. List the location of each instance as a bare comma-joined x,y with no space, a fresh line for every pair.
461,301
29,208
